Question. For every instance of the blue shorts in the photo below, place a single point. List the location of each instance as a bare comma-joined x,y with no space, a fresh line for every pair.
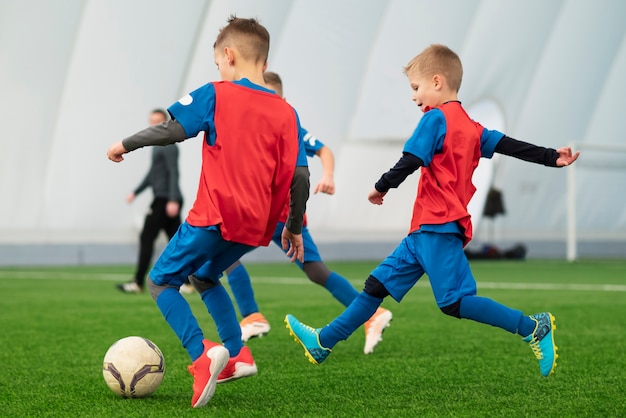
311,253
192,247
438,255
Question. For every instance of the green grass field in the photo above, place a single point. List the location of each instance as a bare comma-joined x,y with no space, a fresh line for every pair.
57,324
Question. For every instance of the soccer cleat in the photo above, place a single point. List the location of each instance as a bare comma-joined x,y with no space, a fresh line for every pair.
309,338
186,289
254,325
242,365
542,342
205,371
130,287
374,328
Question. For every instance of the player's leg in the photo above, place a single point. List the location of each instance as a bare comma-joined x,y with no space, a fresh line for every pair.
240,362
454,287
241,286
253,323
342,290
190,248
170,226
153,224
220,307
393,276
317,271
149,233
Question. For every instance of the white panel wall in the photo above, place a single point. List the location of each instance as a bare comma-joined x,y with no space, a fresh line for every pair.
76,78
117,61
558,108
36,44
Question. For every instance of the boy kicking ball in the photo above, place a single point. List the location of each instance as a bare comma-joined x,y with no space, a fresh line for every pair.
446,145
255,169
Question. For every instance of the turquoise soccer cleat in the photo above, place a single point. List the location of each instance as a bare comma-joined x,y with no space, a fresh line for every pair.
309,338
542,342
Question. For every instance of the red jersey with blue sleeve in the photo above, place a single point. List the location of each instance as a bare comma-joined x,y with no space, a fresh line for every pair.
249,154
450,144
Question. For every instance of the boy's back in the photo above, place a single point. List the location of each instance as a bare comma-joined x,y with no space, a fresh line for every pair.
256,146
253,163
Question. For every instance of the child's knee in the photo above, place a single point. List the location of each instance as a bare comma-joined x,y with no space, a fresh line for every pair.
155,289
202,285
317,272
453,310
375,288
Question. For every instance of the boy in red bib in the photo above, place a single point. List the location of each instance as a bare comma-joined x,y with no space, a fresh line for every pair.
447,145
253,165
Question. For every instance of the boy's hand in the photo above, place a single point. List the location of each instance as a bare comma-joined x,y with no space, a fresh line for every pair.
116,151
325,185
376,197
566,157
172,208
294,243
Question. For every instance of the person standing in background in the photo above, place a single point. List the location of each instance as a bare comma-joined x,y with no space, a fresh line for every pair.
164,213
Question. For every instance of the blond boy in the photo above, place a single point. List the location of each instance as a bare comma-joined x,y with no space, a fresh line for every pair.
447,145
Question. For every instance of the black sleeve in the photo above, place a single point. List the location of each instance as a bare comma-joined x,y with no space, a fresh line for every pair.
299,196
527,152
403,168
166,133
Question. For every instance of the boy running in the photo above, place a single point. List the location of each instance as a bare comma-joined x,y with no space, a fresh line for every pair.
447,145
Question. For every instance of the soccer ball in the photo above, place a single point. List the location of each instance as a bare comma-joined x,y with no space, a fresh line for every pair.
133,367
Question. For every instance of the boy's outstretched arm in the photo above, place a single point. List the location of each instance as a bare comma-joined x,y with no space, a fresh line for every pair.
536,154
166,133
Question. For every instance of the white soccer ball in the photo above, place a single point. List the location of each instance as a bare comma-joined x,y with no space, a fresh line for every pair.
133,367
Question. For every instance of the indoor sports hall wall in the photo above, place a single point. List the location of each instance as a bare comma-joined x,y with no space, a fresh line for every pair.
77,77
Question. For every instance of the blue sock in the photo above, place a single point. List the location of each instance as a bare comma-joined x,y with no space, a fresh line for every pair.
240,285
490,312
222,310
526,326
356,314
178,315
341,289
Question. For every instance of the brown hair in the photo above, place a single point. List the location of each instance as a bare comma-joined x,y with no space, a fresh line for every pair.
438,59
248,36
274,79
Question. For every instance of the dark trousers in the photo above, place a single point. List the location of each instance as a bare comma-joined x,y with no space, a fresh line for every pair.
156,220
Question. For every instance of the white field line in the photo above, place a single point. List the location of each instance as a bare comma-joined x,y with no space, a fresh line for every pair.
41,275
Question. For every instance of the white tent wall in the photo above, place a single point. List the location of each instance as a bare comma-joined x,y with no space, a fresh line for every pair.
76,78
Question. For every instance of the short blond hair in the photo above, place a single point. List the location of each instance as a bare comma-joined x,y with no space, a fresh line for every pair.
247,36
438,59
